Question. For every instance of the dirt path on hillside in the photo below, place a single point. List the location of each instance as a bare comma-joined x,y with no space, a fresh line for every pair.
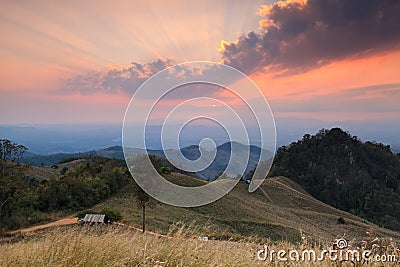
65,221
140,229
70,221
266,195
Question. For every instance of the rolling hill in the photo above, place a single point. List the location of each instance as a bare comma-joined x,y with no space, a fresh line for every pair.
280,214
279,210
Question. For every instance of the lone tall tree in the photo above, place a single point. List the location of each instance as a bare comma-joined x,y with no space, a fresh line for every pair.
10,173
142,199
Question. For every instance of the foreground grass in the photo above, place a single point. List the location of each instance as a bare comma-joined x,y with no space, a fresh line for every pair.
122,247
116,246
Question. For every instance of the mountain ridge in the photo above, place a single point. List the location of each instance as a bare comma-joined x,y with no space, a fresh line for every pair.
191,152
339,169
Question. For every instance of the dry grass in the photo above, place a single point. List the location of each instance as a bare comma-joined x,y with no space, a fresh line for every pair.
117,246
121,247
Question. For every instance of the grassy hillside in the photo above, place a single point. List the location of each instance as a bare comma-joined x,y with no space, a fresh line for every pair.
48,172
279,210
280,214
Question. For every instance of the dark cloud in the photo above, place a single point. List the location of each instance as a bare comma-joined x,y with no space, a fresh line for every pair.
116,80
300,35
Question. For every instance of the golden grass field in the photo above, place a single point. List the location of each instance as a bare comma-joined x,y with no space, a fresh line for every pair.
121,246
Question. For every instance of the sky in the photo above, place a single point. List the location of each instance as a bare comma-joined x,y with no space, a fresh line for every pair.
81,61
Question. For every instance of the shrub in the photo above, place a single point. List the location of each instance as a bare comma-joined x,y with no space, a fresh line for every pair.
63,170
165,169
111,215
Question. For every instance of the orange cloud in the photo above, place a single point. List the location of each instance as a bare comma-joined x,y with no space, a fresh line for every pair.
352,89
267,10
339,75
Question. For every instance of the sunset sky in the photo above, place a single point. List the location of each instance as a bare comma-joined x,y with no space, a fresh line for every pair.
81,61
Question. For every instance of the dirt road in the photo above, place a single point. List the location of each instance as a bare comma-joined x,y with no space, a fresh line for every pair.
69,221
66,221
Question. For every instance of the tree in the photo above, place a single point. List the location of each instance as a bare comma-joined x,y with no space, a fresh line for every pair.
18,152
11,151
142,199
5,149
9,172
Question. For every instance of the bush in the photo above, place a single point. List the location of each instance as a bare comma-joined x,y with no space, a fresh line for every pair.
63,170
112,215
165,169
341,220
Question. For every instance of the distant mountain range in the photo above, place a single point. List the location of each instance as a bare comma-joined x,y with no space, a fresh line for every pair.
192,152
72,138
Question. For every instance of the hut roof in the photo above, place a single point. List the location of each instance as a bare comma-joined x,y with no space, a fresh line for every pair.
94,218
